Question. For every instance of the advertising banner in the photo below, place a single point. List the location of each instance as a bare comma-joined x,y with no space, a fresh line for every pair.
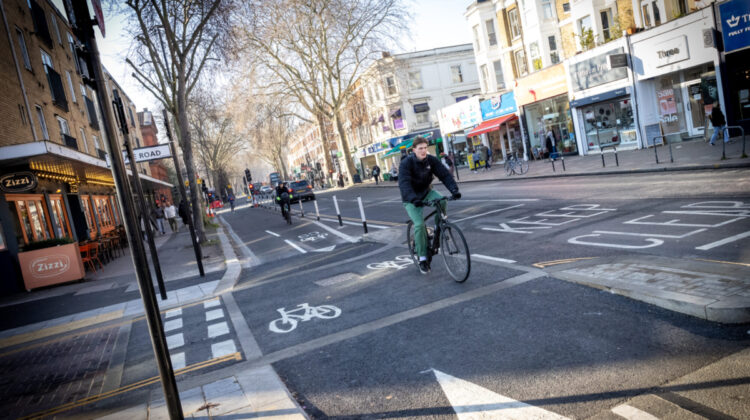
460,116
735,24
596,71
498,105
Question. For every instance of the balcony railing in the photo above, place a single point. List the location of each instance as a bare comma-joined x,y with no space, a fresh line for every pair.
70,141
102,154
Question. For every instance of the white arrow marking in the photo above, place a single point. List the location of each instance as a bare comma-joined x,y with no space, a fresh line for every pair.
326,249
471,401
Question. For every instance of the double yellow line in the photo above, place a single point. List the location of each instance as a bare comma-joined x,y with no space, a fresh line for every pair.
140,384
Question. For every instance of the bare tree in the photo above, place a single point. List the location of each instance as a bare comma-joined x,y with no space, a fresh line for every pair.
314,50
270,135
174,42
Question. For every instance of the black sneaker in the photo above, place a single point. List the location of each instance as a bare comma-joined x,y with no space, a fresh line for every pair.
424,267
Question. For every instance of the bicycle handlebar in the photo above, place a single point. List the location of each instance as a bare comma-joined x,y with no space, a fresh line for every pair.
437,200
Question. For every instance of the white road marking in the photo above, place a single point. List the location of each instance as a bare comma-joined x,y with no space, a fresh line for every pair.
471,401
211,303
576,240
215,330
173,313
487,257
632,413
506,200
173,324
337,279
178,360
723,241
489,212
505,228
214,314
272,233
176,340
341,235
348,222
223,348
650,235
326,249
295,246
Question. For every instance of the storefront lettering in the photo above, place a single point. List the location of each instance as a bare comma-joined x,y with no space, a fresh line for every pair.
735,24
51,265
596,71
668,53
17,182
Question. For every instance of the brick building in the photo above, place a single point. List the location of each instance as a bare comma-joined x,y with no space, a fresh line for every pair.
148,132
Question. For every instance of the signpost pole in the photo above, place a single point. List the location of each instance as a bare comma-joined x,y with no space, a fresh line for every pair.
196,245
120,114
80,18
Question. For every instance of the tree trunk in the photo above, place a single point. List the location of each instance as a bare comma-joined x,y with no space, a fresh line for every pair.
187,151
283,167
344,144
328,163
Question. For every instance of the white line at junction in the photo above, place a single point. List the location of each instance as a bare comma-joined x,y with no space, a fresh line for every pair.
487,257
486,213
724,241
295,246
272,233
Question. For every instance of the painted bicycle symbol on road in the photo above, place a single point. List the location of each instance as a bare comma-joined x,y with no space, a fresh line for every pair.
303,312
312,237
399,263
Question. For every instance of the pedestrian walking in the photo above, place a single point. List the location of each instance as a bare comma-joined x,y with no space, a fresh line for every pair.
158,214
183,212
476,157
719,123
376,173
488,159
231,202
170,212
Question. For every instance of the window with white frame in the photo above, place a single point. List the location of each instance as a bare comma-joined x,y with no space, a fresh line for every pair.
522,67
47,60
547,9
83,90
485,76
83,140
390,85
415,80
96,142
536,59
70,86
458,76
499,78
491,35
63,124
475,29
42,122
514,23
24,51
606,18
554,56
53,18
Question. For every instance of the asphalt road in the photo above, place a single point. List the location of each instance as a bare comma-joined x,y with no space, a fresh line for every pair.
356,332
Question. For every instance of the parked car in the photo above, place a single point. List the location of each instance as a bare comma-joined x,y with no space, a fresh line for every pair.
265,189
301,190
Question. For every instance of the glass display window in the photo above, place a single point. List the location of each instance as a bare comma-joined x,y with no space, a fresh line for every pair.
32,218
60,215
550,118
89,215
609,123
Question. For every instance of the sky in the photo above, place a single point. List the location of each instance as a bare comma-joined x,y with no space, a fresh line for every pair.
437,23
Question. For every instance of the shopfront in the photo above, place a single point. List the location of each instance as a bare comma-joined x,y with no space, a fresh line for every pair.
676,78
454,121
602,107
500,130
545,112
735,27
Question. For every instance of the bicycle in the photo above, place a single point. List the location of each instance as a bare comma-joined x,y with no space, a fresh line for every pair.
286,210
445,238
513,165
289,319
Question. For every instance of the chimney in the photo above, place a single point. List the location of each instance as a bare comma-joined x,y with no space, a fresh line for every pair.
386,54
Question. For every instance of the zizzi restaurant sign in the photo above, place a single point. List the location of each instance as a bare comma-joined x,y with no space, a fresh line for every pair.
18,182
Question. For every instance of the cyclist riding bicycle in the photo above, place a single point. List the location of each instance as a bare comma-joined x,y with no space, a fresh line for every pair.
283,198
415,182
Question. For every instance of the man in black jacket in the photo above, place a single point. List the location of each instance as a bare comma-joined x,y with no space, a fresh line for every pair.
415,182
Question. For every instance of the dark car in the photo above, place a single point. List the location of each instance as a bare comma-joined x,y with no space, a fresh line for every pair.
301,190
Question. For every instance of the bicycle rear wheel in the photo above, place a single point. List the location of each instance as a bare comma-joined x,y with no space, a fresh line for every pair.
288,215
455,252
522,167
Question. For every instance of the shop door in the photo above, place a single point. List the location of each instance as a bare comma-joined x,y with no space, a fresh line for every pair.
694,110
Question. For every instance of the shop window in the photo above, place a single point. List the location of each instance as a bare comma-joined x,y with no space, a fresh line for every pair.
475,30
499,78
415,80
515,24
60,216
88,214
458,77
485,76
32,216
606,17
24,51
491,36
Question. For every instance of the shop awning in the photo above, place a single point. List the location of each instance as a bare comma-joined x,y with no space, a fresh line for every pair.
491,125
403,146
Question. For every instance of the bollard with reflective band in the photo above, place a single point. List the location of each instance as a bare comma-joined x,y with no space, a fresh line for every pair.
362,213
317,212
301,210
338,213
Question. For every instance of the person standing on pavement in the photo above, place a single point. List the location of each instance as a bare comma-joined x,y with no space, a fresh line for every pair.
183,212
719,123
476,157
159,215
231,201
488,159
171,214
376,173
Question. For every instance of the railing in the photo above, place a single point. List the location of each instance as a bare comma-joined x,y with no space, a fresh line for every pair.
70,141
614,148
664,141
102,154
554,156
724,145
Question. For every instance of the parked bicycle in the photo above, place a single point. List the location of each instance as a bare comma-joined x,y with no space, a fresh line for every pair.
514,165
444,238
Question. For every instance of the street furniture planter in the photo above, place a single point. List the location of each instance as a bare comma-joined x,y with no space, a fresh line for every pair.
53,265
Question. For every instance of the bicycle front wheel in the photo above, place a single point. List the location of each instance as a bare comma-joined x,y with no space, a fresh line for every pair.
455,252
410,242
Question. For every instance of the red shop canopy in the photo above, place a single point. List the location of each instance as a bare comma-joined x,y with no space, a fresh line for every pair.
491,125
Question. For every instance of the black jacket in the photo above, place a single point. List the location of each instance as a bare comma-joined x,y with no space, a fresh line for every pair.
717,117
415,177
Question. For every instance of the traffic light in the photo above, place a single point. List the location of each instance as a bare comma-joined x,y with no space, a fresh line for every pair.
248,177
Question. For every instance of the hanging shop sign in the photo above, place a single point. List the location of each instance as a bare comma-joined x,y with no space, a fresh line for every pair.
498,105
543,84
735,24
596,71
18,182
459,116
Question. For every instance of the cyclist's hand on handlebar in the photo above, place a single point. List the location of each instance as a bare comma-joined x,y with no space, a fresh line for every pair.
456,195
417,203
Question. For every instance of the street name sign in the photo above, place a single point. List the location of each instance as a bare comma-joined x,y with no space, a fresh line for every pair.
145,154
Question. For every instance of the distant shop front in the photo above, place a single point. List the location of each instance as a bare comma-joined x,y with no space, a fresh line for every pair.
499,130
545,112
676,79
455,120
735,29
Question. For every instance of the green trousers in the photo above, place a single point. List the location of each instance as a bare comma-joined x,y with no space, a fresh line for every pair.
417,217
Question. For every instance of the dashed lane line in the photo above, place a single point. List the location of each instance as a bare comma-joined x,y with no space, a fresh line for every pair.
487,257
295,246
273,233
